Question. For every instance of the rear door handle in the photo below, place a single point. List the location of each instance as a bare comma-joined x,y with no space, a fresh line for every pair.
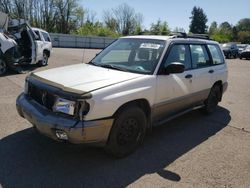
189,76
211,71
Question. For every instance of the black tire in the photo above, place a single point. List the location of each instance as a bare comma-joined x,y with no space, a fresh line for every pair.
213,99
45,60
127,132
3,67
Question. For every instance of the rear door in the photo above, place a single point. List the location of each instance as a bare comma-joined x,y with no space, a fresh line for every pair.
202,72
219,66
46,40
39,46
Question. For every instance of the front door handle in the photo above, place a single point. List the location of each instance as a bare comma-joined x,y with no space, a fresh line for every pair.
211,71
189,76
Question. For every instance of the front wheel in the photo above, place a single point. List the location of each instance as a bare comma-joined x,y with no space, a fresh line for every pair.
213,99
44,61
3,67
128,131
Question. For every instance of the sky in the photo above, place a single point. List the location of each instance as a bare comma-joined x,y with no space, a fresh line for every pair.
176,12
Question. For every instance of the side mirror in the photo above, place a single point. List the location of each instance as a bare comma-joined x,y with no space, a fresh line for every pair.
174,68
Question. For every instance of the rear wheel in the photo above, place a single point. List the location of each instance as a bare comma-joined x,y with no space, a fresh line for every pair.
3,67
44,61
128,131
213,99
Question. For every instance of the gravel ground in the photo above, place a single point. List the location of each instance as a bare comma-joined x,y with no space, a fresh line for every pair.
191,151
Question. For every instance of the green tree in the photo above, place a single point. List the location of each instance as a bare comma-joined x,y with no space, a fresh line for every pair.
244,37
159,28
243,29
198,21
225,26
213,28
179,29
243,25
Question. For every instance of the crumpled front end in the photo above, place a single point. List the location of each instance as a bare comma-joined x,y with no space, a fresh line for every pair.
37,106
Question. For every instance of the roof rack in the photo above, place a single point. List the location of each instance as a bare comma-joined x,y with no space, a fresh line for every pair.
185,35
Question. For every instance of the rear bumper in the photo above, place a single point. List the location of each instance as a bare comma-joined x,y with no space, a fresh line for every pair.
47,122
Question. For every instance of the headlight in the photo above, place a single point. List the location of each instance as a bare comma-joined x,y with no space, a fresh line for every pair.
64,106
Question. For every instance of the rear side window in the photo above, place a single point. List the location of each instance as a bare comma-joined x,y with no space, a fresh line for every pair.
179,53
46,37
199,56
216,54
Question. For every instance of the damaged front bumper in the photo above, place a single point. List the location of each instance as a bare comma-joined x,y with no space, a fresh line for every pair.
49,123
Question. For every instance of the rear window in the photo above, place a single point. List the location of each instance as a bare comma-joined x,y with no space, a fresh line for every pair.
216,54
46,36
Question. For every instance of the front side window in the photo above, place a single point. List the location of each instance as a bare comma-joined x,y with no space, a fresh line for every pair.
216,54
131,55
37,35
179,53
199,56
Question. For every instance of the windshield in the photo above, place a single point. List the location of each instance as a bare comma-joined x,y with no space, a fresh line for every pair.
131,55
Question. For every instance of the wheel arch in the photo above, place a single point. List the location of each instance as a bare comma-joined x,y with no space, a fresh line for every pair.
47,52
219,83
141,103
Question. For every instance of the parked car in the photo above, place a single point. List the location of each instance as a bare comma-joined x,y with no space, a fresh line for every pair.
245,53
241,47
135,83
21,46
230,50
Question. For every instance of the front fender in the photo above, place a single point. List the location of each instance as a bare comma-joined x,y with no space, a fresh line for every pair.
105,102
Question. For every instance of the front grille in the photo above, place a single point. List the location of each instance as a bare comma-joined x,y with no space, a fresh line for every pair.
41,96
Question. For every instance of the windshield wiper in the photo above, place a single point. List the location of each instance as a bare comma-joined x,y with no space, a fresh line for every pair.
109,66
92,63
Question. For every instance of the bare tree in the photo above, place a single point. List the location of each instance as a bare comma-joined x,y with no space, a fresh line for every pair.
124,18
109,20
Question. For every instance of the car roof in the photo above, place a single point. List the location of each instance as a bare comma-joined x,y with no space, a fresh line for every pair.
157,37
39,29
172,38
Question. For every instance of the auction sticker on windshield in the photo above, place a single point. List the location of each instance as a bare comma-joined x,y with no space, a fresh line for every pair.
150,45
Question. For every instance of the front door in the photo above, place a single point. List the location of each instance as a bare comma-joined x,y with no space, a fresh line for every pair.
173,91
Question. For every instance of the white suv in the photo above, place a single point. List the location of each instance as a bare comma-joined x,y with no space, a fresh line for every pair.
44,45
135,83
21,45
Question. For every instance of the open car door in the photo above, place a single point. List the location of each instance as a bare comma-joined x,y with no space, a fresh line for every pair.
3,21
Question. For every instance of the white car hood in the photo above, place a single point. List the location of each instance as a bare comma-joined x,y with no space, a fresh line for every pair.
83,78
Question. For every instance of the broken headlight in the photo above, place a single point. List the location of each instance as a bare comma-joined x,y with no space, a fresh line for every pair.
64,106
